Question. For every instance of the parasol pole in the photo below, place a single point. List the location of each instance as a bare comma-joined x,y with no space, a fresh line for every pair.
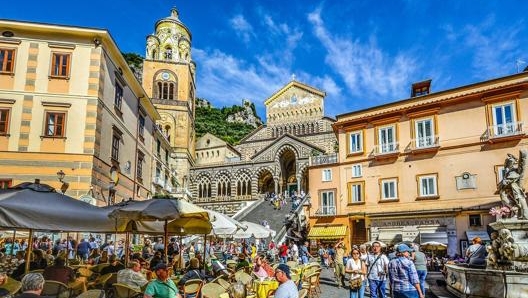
127,247
29,250
205,253
166,248
13,243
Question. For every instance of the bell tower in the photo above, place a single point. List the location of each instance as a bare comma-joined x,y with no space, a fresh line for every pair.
169,80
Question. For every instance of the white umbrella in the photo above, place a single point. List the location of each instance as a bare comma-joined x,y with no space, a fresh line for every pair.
254,230
223,225
433,246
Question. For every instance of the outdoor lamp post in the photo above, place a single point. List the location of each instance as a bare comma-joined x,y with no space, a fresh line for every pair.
65,185
60,175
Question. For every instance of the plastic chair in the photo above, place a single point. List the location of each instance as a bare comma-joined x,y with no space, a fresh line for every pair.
192,287
212,290
125,291
92,294
56,289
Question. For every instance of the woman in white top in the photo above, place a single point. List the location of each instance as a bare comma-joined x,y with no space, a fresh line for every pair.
357,269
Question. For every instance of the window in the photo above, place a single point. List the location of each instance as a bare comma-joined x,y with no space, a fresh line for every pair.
357,171
500,171
427,186
140,159
327,203
327,175
475,220
355,144
7,59
389,189
141,126
4,122
54,124
116,140
166,90
424,130
158,148
118,99
387,139
504,119
60,65
355,192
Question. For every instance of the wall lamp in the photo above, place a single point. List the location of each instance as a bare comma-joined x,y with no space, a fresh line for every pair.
65,185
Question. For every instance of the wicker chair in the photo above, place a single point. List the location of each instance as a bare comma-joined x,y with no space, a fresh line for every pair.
303,293
56,289
224,283
92,294
243,277
192,287
12,285
125,291
212,290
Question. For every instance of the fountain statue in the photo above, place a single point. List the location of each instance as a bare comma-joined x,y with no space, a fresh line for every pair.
506,272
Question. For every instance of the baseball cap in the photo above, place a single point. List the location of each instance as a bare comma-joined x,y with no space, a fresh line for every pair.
160,266
284,268
403,248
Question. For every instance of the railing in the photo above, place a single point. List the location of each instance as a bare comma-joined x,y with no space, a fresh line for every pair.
425,142
226,199
159,181
326,211
323,159
504,130
388,148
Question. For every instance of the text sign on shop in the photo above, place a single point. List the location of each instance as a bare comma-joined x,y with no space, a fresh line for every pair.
411,222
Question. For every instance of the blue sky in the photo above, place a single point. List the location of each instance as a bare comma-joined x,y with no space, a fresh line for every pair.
361,53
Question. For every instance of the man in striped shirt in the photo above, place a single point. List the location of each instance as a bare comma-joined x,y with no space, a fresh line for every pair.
403,277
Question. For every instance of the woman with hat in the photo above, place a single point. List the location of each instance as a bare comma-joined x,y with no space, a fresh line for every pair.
404,282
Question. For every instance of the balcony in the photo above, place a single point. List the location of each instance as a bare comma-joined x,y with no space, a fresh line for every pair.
503,132
158,181
425,145
386,151
326,211
323,159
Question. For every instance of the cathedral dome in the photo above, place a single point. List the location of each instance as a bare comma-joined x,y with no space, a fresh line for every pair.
174,19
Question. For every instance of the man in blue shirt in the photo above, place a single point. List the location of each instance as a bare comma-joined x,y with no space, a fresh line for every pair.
403,277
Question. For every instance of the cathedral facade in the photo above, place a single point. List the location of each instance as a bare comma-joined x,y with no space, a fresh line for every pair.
272,159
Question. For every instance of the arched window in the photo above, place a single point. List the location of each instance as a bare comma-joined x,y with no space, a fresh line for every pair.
204,188
223,187
168,53
244,185
154,54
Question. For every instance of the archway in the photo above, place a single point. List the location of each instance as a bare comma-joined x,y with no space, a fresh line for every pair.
287,161
265,182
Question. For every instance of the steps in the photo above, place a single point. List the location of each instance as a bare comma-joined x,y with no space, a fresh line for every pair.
263,210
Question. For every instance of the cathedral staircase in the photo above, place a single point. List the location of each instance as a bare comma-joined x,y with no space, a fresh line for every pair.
263,210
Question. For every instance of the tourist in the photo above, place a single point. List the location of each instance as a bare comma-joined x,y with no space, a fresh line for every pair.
283,252
377,264
83,249
363,252
294,252
156,259
258,268
304,253
339,266
32,285
242,262
403,277
64,274
132,276
476,253
287,288
193,272
357,270
420,263
3,279
323,256
162,286
113,267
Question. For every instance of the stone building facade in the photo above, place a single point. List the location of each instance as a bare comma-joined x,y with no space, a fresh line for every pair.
272,159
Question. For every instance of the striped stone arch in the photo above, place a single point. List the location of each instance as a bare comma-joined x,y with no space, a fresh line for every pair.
259,171
243,182
223,183
302,167
223,172
284,148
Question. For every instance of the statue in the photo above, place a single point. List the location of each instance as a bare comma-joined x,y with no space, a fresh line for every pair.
511,188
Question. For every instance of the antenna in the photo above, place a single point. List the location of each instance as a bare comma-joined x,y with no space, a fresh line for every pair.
519,62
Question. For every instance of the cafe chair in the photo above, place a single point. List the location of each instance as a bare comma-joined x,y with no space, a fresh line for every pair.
92,294
292,264
192,287
303,293
243,277
212,290
12,285
100,281
56,289
224,283
271,293
125,291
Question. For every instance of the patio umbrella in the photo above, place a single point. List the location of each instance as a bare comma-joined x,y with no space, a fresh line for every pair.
224,225
433,246
254,230
177,216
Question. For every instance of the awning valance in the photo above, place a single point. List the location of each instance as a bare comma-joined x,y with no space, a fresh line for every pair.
482,234
327,232
436,237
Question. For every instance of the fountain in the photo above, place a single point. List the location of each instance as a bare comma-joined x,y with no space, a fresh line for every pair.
506,272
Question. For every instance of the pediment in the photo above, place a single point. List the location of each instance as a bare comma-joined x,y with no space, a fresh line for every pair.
303,150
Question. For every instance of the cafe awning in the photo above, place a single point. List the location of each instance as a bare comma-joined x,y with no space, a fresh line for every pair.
482,234
433,237
327,232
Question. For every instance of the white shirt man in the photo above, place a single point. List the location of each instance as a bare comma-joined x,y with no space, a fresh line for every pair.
377,269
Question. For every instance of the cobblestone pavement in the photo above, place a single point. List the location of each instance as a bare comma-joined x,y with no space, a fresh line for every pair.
329,287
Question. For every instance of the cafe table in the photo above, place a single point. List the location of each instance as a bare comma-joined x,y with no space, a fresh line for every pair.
262,287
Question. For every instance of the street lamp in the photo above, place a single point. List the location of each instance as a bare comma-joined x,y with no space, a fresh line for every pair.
65,185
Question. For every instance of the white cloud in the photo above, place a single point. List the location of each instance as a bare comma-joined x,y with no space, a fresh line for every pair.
243,29
366,70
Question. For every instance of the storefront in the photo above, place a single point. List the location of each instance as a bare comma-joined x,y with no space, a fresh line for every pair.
326,235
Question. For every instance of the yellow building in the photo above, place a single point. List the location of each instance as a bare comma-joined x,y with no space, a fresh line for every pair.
420,169
69,102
